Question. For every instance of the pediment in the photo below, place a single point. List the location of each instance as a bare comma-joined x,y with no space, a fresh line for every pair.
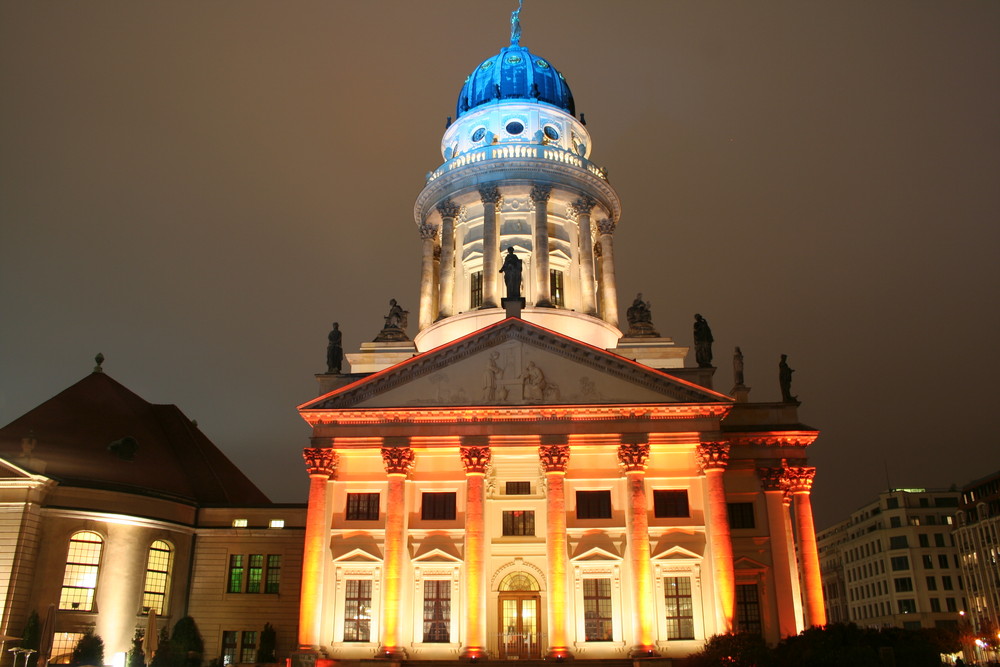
596,554
10,471
437,556
514,363
744,563
677,553
356,556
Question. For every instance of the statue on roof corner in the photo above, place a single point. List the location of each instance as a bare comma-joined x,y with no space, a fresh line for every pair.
702,342
334,350
785,380
515,25
640,319
394,329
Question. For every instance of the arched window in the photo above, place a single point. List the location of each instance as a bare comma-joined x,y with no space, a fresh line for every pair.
82,565
154,591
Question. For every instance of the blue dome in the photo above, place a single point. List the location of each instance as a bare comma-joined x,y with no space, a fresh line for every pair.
515,74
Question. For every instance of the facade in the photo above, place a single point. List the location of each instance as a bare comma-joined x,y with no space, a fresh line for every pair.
894,562
522,480
111,507
977,536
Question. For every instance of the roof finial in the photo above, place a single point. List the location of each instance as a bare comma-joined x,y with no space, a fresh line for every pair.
100,360
515,25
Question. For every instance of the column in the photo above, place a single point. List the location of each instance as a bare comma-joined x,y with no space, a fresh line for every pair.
540,245
491,199
633,457
475,461
321,463
712,460
786,574
449,210
398,461
436,307
554,459
609,293
800,480
428,286
580,211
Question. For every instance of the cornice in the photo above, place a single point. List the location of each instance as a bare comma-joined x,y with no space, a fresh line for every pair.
773,438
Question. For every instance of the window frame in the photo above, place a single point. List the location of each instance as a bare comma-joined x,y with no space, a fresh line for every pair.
438,505
362,506
77,567
157,577
667,504
594,504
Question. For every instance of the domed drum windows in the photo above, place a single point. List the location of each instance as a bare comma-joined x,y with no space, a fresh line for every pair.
514,127
479,134
551,132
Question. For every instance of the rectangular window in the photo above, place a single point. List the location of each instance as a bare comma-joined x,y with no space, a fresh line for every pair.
437,506
741,516
927,561
362,507
903,584
63,644
670,503
248,647
680,609
895,522
255,572
557,288
946,583
898,542
931,583
235,574
593,504
476,289
943,561
437,611
597,610
518,488
891,503
907,606
924,541
273,580
935,604
357,610
748,609
229,646
519,522
899,563
950,604
939,539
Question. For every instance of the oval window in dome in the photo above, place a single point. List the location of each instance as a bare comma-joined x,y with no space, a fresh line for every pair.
551,132
541,63
486,65
515,127
513,60
479,134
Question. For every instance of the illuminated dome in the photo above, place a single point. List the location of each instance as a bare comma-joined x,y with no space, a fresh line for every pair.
515,74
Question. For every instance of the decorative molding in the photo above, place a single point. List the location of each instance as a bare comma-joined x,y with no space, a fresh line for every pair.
540,193
397,460
773,479
773,439
712,456
320,461
449,209
633,456
800,478
475,459
554,458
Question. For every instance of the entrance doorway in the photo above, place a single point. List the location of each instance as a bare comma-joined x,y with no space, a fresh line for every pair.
519,632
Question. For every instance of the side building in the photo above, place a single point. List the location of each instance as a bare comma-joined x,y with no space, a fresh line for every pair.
977,535
112,508
894,562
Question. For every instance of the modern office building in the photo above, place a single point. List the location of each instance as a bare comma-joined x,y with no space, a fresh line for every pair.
977,536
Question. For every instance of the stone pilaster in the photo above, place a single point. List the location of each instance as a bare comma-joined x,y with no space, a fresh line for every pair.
609,292
321,464
580,209
428,286
554,459
398,461
712,460
475,460
491,198
800,481
540,245
449,210
633,457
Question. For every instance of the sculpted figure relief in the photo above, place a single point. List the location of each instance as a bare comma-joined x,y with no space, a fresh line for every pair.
334,350
511,271
702,342
493,390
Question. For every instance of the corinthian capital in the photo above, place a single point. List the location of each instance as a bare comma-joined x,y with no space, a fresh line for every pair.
490,194
397,460
540,193
449,209
773,479
606,226
428,232
800,478
475,459
554,458
320,460
633,457
713,456
583,205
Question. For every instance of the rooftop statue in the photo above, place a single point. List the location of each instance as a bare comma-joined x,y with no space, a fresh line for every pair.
702,342
738,367
515,25
640,319
785,380
511,271
394,329
334,350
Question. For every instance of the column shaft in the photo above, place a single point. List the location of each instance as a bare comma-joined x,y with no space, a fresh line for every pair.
815,612
722,546
638,543
398,461
491,198
321,464
784,563
428,286
609,296
475,460
540,245
554,459
588,297
449,211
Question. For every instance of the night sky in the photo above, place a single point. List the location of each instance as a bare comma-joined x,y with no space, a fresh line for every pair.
198,189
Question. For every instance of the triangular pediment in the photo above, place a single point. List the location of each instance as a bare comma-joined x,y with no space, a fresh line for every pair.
596,554
11,472
436,556
677,553
514,363
357,556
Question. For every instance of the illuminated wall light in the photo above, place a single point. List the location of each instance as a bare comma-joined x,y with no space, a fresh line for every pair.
240,523
276,523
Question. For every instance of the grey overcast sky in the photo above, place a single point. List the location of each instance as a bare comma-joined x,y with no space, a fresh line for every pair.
198,189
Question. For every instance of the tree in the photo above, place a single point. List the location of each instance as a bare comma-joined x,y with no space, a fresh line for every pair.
163,657
732,650
136,656
31,638
89,650
186,644
268,639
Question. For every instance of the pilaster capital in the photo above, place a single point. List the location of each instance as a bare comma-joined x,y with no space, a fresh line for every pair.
712,456
397,460
449,209
540,193
773,479
490,194
320,460
633,456
475,459
582,206
800,478
428,232
554,458
606,226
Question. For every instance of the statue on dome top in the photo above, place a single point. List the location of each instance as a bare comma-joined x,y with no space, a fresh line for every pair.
511,271
515,25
